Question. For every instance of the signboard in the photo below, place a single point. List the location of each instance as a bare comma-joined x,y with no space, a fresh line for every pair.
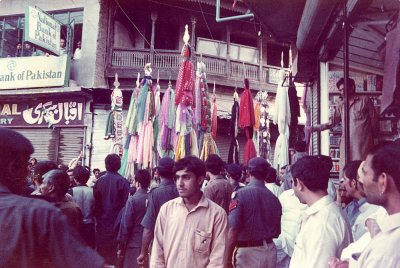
43,113
42,30
29,72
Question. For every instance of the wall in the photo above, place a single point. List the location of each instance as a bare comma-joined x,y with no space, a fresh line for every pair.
90,69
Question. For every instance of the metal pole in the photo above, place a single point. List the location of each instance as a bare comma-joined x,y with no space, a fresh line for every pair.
346,123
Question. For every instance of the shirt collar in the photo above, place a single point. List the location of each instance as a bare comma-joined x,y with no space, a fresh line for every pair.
390,222
362,201
219,177
202,203
320,204
166,183
256,183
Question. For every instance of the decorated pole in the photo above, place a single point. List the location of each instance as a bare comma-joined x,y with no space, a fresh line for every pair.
185,102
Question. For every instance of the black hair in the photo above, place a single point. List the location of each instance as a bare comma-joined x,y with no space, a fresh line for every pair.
96,169
191,164
271,175
143,177
384,159
350,81
300,146
113,162
166,174
41,168
60,180
312,172
214,164
351,169
81,174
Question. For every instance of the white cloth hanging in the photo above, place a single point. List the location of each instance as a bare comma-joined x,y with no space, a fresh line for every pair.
281,117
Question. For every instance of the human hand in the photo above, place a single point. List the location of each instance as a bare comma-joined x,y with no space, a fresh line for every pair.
142,258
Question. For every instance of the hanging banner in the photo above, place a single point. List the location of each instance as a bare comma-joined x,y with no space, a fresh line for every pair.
43,113
42,30
30,72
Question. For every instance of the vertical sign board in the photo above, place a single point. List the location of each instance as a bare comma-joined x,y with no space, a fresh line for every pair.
42,30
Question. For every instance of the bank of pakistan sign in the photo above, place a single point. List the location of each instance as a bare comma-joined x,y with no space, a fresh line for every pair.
42,30
43,113
30,72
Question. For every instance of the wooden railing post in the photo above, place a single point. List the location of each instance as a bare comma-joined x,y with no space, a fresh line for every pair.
153,28
260,58
228,56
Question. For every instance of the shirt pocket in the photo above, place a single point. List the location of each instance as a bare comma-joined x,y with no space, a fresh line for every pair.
202,241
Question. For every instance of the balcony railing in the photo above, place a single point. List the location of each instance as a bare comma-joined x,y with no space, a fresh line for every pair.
169,59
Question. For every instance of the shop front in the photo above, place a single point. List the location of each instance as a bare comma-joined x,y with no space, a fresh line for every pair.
55,125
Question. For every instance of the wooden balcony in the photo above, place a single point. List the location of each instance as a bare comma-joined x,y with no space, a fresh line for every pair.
127,63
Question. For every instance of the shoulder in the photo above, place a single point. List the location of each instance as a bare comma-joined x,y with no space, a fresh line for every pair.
215,208
170,204
31,207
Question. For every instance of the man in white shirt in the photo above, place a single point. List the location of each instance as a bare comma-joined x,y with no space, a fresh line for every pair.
380,179
292,210
324,231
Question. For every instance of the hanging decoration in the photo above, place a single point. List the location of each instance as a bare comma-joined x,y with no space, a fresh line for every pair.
263,134
246,121
157,107
167,136
281,117
214,114
233,155
185,102
114,121
294,106
146,113
206,142
130,148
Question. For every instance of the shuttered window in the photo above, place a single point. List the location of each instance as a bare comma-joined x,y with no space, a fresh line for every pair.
60,145
70,144
44,141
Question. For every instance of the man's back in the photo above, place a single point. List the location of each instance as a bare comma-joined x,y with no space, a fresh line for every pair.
157,197
83,196
110,193
324,233
131,231
219,191
255,212
31,236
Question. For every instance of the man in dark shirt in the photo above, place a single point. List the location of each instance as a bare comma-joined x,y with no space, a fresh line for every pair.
33,233
131,231
234,174
218,188
110,194
254,220
157,197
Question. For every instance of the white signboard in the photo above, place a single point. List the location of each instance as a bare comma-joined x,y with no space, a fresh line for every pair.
42,30
30,72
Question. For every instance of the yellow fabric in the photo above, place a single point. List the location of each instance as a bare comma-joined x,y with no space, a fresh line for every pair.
257,115
209,147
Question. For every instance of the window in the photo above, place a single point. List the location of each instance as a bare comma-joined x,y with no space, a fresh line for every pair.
12,30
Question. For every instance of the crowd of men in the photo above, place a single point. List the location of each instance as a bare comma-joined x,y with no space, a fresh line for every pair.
201,213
